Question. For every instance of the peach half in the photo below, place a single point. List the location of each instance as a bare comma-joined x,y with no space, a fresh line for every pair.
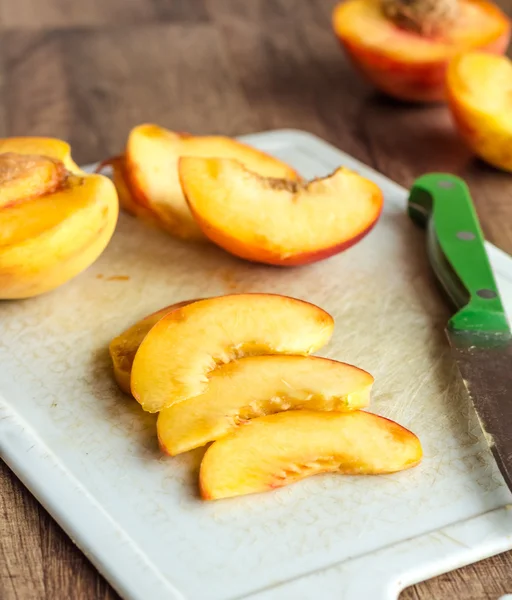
254,386
48,147
480,98
178,355
278,221
279,449
54,222
149,172
28,177
123,348
408,64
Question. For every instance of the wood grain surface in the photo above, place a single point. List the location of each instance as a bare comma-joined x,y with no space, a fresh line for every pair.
89,70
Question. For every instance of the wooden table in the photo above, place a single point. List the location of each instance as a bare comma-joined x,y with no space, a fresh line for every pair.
88,71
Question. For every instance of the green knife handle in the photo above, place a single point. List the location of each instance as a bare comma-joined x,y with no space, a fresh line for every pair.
455,242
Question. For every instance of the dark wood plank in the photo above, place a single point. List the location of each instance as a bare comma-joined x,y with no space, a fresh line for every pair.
180,10
486,580
21,557
60,13
43,14
91,86
37,559
292,70
88,71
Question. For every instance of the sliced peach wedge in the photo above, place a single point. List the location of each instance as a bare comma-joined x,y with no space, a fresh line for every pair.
260,385
149,170
180,352
279,449
123,348
278,221
480,98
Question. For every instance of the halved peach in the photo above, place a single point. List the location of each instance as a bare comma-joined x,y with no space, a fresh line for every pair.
150,171
180,352
410,65
480,98
53,222
260,385
123,348
278,221
276,450
48,240
28,176
50,147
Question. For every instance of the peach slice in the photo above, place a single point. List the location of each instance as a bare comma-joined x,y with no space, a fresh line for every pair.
179,353
480,98
276,450
260,385
151,171
278,221
410,64
122,349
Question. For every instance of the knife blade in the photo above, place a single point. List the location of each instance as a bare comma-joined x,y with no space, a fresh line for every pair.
479,333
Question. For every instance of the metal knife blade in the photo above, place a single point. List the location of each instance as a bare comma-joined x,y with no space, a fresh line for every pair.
479,333
485,363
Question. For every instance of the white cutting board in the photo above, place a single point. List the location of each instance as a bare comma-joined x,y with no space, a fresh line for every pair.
89,453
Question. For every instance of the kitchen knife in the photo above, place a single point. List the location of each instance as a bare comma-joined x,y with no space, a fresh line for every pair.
479,333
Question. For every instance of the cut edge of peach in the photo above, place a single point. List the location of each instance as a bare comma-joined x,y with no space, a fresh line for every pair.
209,187
416,49
303,443
127,198
81,194
44,146
481,99
29,263
28,176
123,347
235,396
178,137
144,176
158,383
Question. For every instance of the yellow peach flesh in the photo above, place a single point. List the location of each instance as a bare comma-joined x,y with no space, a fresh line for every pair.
123,348
126,199
49,239
408,65
179,353
152,155
484,82
49,147
259,385
26,176
480,97
276,450
362,22
278,221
